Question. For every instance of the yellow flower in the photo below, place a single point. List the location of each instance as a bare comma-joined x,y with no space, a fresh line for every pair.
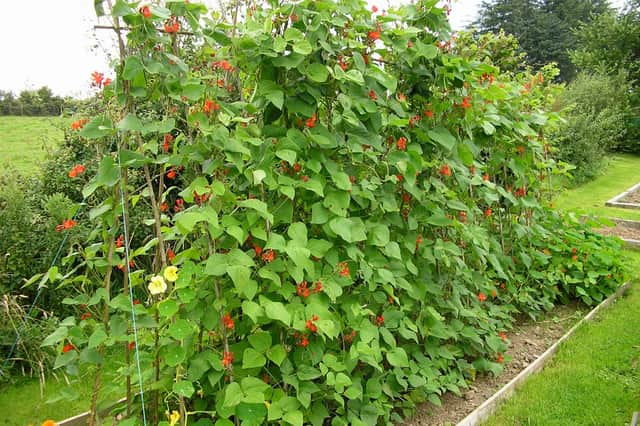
173,418
157,285
48,423
171,273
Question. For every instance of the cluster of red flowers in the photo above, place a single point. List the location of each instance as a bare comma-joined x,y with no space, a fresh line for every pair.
482,297
311,122
302,339
372,95
225,65
502,336
521,192
201,199
379,320
445,170
79,124
145,11
227,359
120,241
310,324
268,256
122,268
170,255
85,316
466,102
344,269
488,212
171,174
500,358
166,143
172,26
486,177
303,290
489,78
98,80
348,338
419,241
227,322
179,205
68,347
401,143
428,113
342,63
76,171
67,224
210,105
406,197
413,120
462,216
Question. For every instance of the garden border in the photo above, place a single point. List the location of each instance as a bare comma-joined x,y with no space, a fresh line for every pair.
615,201
490,405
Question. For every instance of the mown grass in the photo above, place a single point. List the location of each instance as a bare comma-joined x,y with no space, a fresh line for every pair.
24,141
595,377
622,172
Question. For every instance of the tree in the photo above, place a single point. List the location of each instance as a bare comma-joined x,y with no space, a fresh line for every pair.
543,27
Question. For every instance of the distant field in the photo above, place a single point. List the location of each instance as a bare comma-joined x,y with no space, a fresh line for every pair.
24,141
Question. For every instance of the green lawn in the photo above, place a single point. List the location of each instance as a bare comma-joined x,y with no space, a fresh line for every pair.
25,140
623,171
595,377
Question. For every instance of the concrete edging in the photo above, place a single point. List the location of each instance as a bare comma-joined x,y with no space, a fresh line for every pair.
615,201
489,406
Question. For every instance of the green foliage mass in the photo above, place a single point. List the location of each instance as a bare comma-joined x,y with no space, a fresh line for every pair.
355,212
544,28
596,122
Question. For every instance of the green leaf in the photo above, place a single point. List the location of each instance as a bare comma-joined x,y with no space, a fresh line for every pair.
97,128
259,206
252,310
241,277
168,308
288,155
108,173
349,229
317,72
294,418
439,219
379,235
276,311
251,358
184,388
442,136
132,68
181,329
130,123
397,357
251,414
175,355
293,34
298,233
97,338
232,395
302,47
261,341
58,335
277,354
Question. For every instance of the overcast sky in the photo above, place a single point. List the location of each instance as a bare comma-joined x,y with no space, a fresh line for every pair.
52,43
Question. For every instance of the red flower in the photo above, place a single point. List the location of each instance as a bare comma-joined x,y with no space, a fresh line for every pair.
486,177
208,106
520,149
67,224
120,241
131,346
344,271
463,217
379,320
136,302
373,35
574,258
502,336
574,250
85,316
309,325
318,287
304,178
97,78
145,11
172,25
488,212
445,170
419,241
466,102
374,9
399,177
171,174
200,199
227,359
482,297
494,293
372,95
171,255
352,179
297,167
227,321
409,44
79,124
77,170
168,138
302,290
472,170
428,113
406,198
311,122
402,143
268,256
500,358
179,205
164,207
68,347
304,342
258,250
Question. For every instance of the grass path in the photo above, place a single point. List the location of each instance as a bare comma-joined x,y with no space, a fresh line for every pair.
622,173
595,377
24,140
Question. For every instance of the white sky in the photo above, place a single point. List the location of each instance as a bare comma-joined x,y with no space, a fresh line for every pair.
52,43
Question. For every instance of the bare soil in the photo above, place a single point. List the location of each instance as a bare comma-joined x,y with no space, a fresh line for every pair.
623,230
633,197
528,340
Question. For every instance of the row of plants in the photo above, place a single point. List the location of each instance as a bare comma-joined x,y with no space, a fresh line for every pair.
318,212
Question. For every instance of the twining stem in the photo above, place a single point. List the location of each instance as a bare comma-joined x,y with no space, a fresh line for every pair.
125,281
105,321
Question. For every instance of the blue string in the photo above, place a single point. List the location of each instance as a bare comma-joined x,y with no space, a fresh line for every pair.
35,299
133,312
